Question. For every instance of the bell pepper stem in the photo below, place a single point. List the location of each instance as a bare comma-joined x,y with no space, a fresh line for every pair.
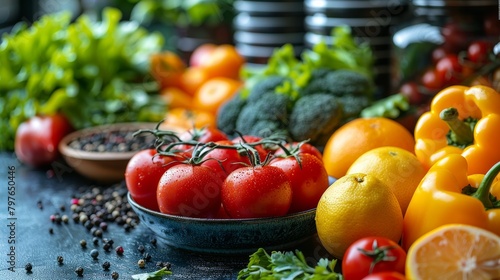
462,133
483,191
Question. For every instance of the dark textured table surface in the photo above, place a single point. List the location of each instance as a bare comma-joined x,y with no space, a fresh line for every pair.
29,226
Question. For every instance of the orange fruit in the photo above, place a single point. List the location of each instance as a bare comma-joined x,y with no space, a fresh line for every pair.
184,119
396,167
360,135
192,79
224,61
454,251
167,68
355,206
176,97
215,92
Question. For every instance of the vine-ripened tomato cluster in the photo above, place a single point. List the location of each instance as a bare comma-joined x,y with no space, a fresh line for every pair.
203,173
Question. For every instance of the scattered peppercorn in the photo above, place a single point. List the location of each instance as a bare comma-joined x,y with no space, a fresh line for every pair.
65,219
106,246
141,248
28,267
106,265
94,254
166,265
153,241
39,204
95,240
83,243
141,263
60,259
146,256
51,230
79,271
114,275
62,208
119,250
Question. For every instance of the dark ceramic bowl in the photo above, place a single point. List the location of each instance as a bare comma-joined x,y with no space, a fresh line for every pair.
228,236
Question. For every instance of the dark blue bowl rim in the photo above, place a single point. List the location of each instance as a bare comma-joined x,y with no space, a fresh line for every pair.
215,221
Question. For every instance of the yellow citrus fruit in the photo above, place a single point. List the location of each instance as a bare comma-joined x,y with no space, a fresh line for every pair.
396,167
360,135
356,206
454,251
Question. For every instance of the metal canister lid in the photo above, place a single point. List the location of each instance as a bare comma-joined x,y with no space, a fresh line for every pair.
454,3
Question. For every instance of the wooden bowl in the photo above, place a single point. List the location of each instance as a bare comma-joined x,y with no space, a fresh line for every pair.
103,167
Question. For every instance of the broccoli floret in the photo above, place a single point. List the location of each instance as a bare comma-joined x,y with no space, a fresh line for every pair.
352,106
264,87
265,116
339,83
228,114
314,117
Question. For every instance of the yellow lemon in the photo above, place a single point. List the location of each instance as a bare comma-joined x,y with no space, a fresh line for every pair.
454,251
356,206
396,167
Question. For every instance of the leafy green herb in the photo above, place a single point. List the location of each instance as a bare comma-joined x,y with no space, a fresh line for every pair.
287,265
156,275
95,72
392,106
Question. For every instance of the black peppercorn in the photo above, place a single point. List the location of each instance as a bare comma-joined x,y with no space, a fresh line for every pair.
95,240
106,246
28,267
83,243
146,256
94,254
51,230
114,275
79,271
141,248
60,259
106,265
153,241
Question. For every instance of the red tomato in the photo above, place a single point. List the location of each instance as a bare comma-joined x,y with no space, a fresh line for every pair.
301,148
449,69
256,192
263,152
142,174
412,92
189,190
201,135
478,51
431,80
309,180
385,276
224,161
438,53
37,139
370,255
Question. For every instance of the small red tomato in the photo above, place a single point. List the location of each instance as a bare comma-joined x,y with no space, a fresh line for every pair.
201,135
412,92
388,275
37,139
432,81
256,192
223,160
370,255
309,180
142,174
301,148
479,51
449,69
190,191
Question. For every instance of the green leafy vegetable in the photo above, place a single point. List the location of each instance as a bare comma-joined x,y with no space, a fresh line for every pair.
287,265
391,106
95,72
156,275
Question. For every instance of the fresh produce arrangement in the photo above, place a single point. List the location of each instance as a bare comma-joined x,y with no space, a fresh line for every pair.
91,72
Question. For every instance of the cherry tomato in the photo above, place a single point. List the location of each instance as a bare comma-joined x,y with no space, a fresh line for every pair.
438,53
256,192
189,190
204,135
385,276
309,180
142,174
431,80
478,51
412,92
455,37
370,255
449,69
37,139
261,149
224,161
492,25
301,148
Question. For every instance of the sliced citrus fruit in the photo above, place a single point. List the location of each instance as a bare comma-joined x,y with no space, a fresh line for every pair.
455,251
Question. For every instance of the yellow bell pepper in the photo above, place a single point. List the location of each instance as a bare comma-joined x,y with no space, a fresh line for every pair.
462,120
445,195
